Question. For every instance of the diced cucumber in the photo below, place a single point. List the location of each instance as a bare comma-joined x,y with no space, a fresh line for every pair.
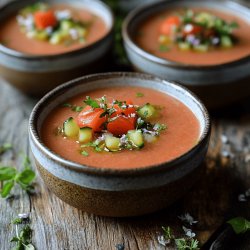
85,135
82,32
164,39
226,42
112,143
150,138
184,46
70,128
205,19
56,38
41,35
66,25
201,48
136,138
147,111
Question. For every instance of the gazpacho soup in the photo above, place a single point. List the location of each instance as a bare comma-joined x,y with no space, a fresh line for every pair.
43,29
195,36
121,127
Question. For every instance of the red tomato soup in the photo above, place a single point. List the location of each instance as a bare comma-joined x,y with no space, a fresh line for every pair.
13,35
180,135
204,37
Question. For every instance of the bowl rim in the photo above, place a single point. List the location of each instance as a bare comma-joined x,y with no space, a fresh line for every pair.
18,54
128,40
33,134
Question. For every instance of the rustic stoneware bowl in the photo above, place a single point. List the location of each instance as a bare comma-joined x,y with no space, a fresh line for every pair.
216,85
114,192
36,75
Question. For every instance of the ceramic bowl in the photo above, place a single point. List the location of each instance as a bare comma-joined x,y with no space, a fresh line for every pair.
216,85
36,75
114,192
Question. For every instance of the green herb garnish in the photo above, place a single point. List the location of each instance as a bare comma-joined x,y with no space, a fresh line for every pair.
139,94
187,244
73,107
84,153
91,102
239,224
23,234
163,48
167,233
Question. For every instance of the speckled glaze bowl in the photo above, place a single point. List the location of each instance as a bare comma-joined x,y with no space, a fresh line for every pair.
35,74
112,192
216,85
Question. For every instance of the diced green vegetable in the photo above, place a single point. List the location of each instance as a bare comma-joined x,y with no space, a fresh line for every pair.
226,42
70,128
85,135
136,138
112,143
56,38
184,46
41,35
201,48
150,138
147,112
66,25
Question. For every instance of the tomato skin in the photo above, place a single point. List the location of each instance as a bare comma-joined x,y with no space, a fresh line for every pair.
90,117
120,111
121,125
169,24
44,19
192,29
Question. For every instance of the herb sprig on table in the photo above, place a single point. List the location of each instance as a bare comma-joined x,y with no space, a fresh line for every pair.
10,177
183,243
23,233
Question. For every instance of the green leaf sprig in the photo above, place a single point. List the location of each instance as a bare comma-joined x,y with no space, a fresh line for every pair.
187,244
9,177
23,234
74,108
239,224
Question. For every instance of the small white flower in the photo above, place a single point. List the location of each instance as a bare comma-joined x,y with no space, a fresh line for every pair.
49,30
188,219
63,14
162,240
23,216
224,139
188,232
74,35
242,198
132,115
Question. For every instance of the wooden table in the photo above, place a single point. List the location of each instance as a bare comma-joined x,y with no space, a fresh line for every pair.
57,225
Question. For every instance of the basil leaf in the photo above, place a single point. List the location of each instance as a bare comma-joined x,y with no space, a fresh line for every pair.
26,176
92,103
7,173
239,224
7,188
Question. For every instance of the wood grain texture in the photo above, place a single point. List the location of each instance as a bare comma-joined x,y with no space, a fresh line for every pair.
58,226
